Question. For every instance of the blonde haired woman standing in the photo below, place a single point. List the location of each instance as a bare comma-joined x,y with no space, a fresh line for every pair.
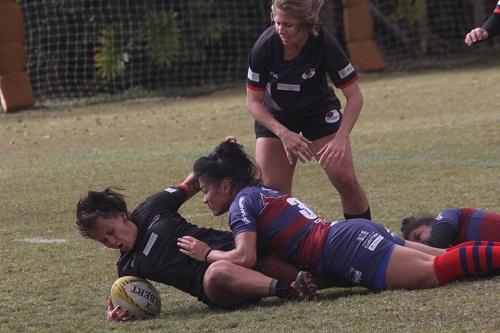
297,115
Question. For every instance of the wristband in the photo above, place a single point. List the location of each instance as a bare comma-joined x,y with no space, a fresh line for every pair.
206,255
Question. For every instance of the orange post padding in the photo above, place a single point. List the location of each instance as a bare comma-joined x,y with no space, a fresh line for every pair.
366,56
358,28
11,24
13,57
358,23
16,91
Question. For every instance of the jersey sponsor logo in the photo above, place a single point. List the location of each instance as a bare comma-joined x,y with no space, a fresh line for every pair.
372,242
171,190
288,87
273,75
331,117
362,235
309,73
151,241
375,243
344,72
252,76
244,217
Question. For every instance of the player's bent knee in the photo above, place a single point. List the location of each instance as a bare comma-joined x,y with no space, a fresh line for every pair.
218,273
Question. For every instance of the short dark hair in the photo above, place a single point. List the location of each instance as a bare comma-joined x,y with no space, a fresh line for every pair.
410,223
98,204
228,160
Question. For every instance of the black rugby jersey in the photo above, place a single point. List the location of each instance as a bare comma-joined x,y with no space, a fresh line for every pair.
299,85
492,24
156,256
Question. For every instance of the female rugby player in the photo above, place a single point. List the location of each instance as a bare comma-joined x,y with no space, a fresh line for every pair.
453,226
147,240
357,251
297,115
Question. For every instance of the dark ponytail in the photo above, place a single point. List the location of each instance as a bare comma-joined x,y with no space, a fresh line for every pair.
228,160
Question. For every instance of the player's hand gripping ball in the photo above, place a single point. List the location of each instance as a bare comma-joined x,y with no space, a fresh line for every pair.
137,296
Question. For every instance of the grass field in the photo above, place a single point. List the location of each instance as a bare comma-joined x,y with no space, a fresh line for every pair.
424,142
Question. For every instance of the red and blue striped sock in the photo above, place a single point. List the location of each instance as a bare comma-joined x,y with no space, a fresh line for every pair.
467,261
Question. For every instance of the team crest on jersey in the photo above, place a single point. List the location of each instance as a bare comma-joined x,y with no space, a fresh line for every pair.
309,73
332,117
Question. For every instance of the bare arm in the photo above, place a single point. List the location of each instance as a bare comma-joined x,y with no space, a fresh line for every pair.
424,248
335,149
244,254
354,103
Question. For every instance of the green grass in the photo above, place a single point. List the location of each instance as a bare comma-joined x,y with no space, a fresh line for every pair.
424,142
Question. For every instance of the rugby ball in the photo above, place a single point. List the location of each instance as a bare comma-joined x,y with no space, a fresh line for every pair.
137,296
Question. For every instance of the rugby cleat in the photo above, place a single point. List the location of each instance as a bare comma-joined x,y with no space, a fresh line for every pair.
303,288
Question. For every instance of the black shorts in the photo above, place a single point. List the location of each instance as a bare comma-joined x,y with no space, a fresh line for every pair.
313,127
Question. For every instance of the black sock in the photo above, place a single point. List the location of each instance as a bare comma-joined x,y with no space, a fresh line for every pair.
366,215
280,288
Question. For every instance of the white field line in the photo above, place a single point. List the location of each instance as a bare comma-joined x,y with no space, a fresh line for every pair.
41,240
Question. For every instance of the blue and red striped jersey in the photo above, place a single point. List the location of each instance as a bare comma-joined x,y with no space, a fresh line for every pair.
285,226
471,224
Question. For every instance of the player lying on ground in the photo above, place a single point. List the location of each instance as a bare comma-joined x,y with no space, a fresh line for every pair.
490,28
358,251
147,239
453,226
